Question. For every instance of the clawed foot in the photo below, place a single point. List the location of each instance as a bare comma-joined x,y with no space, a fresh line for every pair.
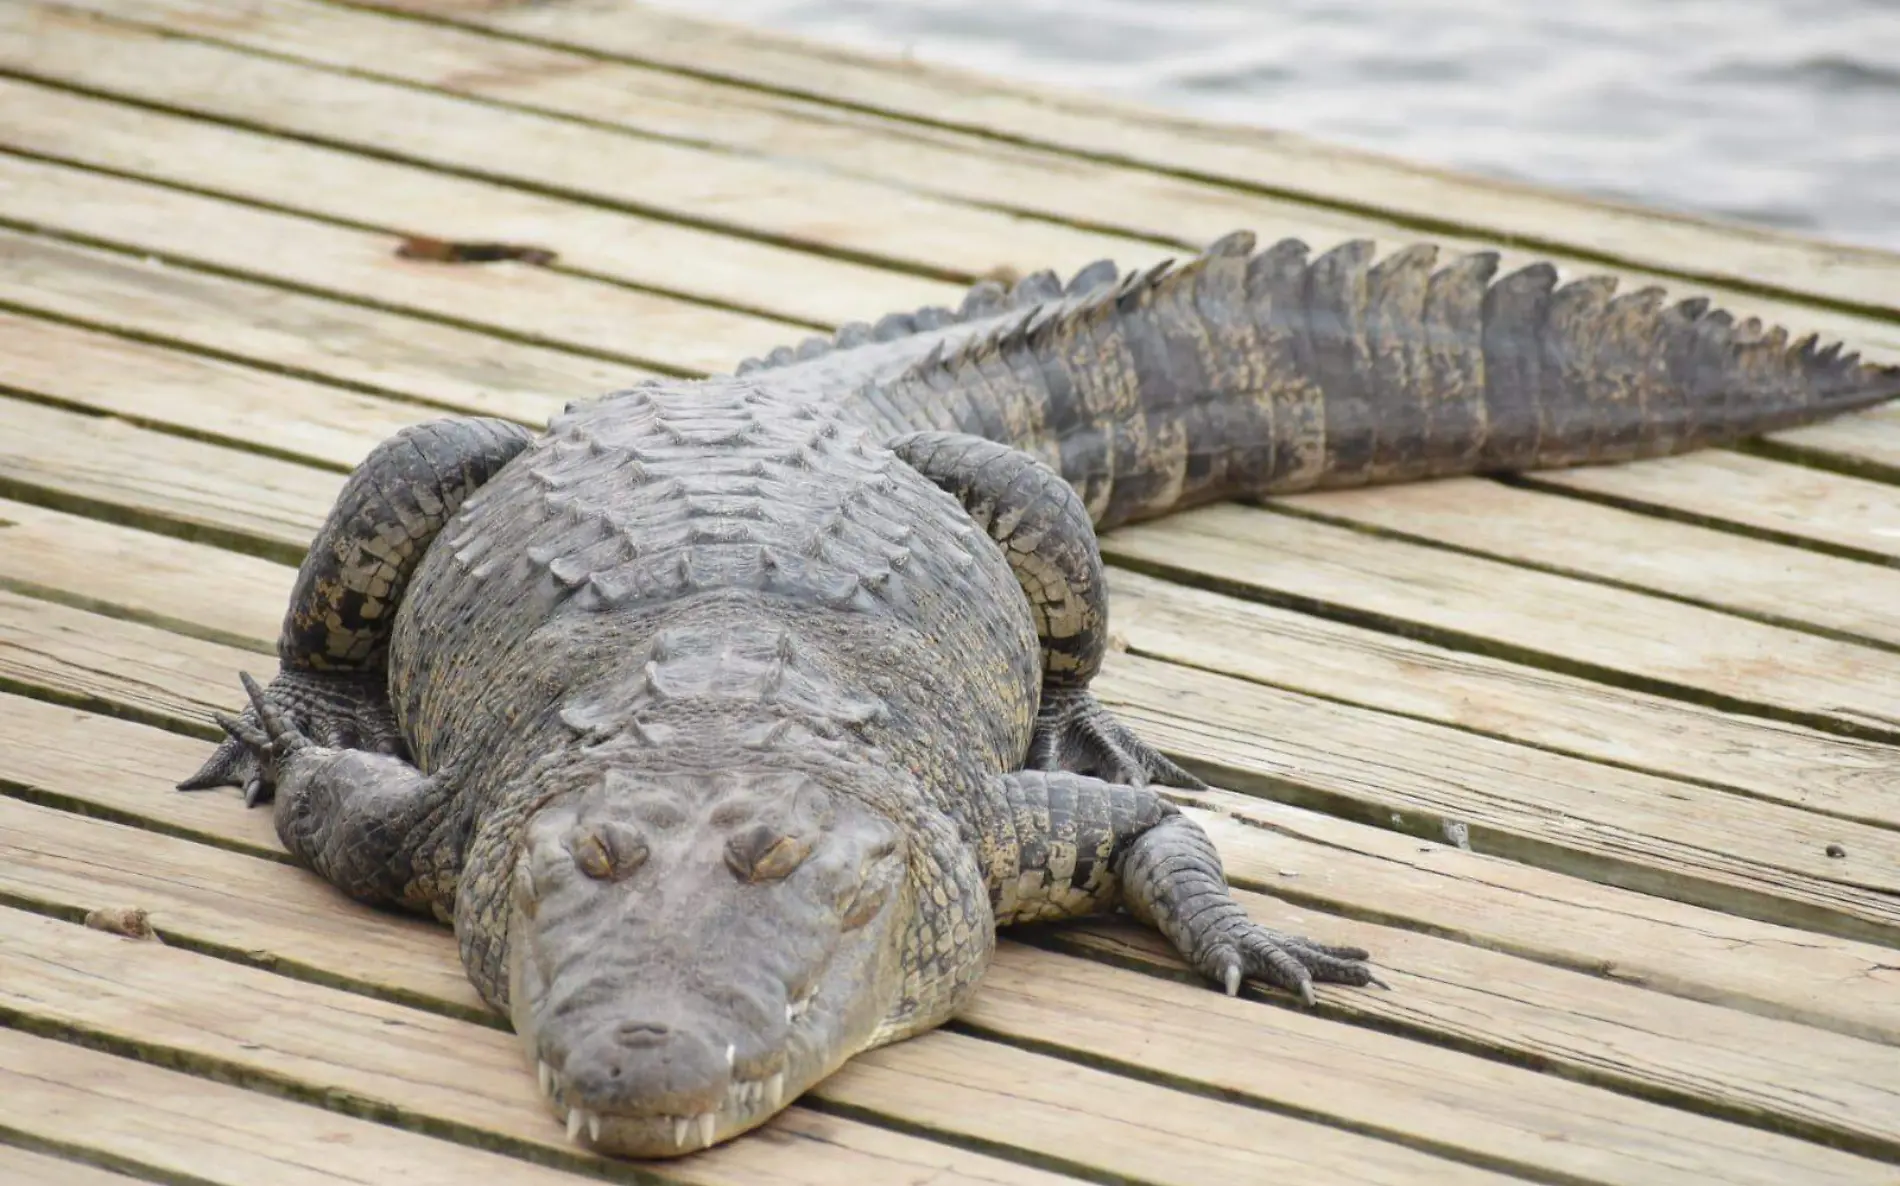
1285,961
1075,733
299,708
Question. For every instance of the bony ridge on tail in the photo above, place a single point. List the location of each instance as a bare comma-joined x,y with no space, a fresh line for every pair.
727,720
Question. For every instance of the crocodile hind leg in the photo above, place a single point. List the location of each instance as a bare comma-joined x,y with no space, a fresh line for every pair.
1073,845
1043,528
333,653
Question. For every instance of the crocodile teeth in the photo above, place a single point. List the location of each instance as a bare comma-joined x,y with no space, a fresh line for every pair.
706,1123
680,1125
575,1119
546,1074
732,1054
775,1089
593,1127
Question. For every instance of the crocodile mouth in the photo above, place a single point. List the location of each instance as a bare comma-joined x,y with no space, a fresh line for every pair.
670,1085
747,1102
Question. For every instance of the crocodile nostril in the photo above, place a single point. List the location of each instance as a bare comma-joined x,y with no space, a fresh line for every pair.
642,1033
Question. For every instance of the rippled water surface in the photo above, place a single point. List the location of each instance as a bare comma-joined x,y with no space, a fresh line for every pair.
1781,112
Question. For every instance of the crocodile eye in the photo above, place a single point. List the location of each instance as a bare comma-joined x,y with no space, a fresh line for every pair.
762,853
606,850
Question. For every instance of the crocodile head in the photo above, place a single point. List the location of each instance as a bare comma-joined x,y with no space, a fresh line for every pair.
687,955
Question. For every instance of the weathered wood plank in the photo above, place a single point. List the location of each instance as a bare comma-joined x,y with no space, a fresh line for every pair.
1099,128
124,771
116,470
1484,605
177,1127
292,1143
1060,186
204,898
1781,585
209,593
1782,501
18,1167
774,281
128,669
511,299
681,182
117,769
110,375
1671,839
1700,1057
298,334
1279,647
438,1070
1868,444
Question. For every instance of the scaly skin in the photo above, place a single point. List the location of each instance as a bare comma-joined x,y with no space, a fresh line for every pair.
726,739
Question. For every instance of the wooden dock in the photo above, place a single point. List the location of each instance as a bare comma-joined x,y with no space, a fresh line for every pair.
1659,704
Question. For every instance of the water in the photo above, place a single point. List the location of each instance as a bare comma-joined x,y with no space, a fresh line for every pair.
1784,113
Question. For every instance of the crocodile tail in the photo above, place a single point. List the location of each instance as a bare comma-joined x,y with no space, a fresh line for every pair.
1272,372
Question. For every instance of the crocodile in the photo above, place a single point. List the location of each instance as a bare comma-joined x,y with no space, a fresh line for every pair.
727,719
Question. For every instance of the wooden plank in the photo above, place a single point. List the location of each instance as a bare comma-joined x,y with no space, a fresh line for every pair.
176,1127
1099,128
1477,604
109,375
124,771
112,469
1784,586
216,1132
510,299
770,280
117,769
1672,839
1787,502
128,669
18,1167
1110,1015
757,198
1279,647
208,593
300,335
1699,1057
1868,444
439,1071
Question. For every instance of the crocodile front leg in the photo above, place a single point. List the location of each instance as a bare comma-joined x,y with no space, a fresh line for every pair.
1075,845
333,653
371,824
1043,528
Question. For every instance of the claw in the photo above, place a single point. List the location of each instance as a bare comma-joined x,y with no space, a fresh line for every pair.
276,724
